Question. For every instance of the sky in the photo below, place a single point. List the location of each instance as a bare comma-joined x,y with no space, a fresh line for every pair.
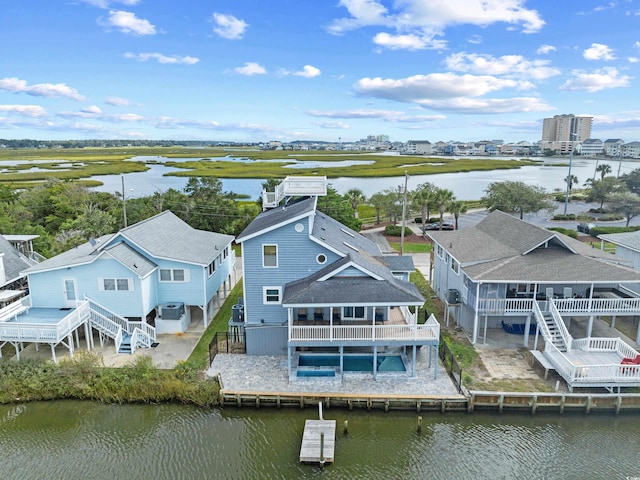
330,70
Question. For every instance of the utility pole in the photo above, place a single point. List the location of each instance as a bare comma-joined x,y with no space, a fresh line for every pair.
404,210
124,204
619,162
566,196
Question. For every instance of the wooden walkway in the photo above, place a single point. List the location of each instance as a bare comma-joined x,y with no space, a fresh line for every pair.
311,451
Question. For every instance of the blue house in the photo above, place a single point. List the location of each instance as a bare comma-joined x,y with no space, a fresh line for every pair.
322,294
155,276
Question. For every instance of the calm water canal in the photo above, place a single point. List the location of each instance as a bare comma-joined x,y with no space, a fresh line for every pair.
85,440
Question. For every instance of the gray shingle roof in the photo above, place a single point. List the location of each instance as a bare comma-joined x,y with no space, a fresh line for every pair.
131,259
14,261
162,236
398,263
340,237
343,290
504,248
274,217
167,236
630,240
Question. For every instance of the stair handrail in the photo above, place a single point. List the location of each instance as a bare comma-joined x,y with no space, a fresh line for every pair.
118,339
560,325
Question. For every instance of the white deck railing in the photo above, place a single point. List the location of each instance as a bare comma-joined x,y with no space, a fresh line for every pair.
295,186
43,332
589,306
427,331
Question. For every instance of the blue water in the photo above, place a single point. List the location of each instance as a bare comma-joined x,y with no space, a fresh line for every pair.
316,373
354,363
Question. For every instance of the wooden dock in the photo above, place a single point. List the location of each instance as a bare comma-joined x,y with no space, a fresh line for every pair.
310,450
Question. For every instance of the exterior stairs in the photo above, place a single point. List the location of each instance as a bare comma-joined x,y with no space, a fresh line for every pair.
125,346
555,334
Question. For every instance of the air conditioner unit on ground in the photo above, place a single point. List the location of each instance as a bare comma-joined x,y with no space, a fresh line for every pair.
172,311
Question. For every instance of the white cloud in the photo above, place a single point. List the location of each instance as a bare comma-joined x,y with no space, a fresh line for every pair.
637,45
407,42
128,23
544,49
514,66
250,68
15,85
387,115
117,101
336,125
419,88
143,57
598,51
418,22
598,80
633,59
92,109
475,39
24,110
105,3
228,26
308,71
488,105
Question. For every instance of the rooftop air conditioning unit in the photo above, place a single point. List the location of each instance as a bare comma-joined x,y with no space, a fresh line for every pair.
172,311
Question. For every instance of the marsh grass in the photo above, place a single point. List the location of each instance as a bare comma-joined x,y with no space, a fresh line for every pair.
73,164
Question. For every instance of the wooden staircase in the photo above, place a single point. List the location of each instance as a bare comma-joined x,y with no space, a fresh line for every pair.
554,332
125,346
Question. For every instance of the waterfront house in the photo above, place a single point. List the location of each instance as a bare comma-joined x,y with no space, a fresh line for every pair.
313,285
155,276
13,283
507,273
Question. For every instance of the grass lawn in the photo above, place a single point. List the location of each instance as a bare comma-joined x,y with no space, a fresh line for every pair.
412,247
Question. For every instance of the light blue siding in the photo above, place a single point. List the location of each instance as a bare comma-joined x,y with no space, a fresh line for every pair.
296,259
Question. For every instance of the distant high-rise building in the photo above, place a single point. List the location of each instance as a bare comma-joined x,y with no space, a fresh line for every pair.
560,127
561,131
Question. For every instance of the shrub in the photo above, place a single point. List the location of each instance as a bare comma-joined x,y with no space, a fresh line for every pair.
595,231
567,216
396,231
611,217
566,231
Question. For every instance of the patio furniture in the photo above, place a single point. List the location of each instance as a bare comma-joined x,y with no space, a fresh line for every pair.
302,315
318,315
631,361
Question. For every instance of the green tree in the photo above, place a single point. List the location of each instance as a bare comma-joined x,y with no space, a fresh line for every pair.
516,197
626,203
421,198
571,181
355,197
210,208
338,208
377,201
457,208
442,198
632,180
603,168
601,189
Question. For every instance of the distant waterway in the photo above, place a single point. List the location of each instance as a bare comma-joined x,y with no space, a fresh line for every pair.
465,185
85,440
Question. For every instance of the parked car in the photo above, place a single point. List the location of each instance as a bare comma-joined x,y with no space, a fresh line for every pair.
436,226
585,227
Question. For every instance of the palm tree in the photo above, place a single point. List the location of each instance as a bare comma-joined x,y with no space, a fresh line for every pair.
421,198
378,201
443,197
457,208
355,197
603,168
571,181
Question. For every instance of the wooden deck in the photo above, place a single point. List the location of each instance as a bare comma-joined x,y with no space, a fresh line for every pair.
310,450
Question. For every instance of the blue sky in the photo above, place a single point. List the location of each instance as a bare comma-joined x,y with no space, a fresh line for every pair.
249,70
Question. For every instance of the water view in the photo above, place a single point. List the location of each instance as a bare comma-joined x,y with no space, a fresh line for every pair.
465,185
81,440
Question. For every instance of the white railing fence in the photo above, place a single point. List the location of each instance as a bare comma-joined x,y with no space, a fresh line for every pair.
427,331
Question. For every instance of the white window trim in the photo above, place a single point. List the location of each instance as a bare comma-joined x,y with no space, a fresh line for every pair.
187,275
271,302
277,259
453,262
101,286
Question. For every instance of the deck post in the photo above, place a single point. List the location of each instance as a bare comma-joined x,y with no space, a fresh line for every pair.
413,363
527,326
53,353
375,362
435,369
590,326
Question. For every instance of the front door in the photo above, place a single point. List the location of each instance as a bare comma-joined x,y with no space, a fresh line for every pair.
70,292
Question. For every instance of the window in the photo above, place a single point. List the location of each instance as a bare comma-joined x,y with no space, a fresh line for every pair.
439,250
353,312
321,258
455,265
269,255
174,275
115,284
212,267
271,295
